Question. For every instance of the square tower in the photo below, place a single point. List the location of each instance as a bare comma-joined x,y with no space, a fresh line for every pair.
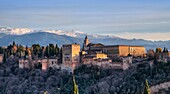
70,53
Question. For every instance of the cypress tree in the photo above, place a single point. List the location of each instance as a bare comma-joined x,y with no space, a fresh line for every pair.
51,49
56,50
45,92
4,58
60,55
75,87
146,89
165,50
47,52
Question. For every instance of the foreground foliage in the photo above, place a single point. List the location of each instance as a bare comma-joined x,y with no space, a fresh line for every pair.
90,79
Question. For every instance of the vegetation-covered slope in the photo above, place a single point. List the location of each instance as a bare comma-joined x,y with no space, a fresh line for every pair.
90,79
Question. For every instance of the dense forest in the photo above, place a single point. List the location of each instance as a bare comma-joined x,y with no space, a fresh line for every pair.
90,79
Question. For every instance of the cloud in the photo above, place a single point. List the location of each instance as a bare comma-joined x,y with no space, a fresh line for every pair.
146,36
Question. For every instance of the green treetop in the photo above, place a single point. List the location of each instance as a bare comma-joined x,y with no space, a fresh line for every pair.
146,89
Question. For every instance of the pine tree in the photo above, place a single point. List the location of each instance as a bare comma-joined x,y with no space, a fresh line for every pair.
75,87
146,89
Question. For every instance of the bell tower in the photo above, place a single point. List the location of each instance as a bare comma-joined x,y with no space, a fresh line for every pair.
86,42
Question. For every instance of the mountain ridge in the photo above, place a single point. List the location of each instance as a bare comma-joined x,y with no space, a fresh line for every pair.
44,37
22,31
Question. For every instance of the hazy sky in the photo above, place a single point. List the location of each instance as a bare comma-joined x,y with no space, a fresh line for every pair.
147,19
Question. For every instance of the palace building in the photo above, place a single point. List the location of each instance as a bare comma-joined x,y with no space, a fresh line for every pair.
124,50
114,50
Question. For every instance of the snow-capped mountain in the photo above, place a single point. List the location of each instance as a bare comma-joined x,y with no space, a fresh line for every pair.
67,33
15,31
28,37
22,31
77,34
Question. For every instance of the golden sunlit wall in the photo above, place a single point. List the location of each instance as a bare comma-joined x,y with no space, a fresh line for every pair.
100,55
75,52
70,53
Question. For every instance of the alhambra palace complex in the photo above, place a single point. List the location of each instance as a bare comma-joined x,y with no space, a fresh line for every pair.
100,54
72,56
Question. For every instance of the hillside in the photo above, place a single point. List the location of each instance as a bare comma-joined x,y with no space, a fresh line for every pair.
42,38
90,79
